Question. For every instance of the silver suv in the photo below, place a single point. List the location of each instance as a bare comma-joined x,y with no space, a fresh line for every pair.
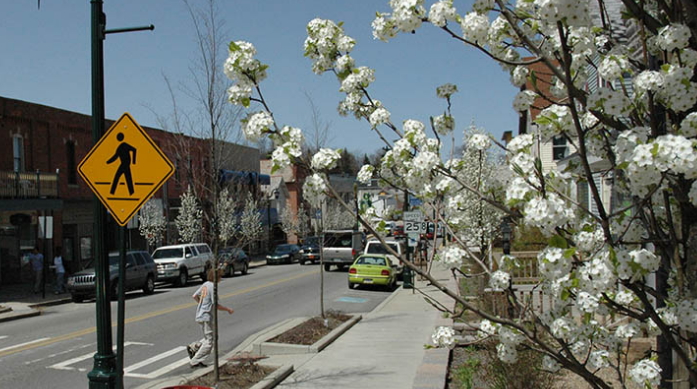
141,273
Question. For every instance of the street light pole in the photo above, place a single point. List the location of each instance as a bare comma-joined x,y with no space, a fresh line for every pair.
104,373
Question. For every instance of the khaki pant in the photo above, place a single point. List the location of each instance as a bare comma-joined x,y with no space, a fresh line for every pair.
205,345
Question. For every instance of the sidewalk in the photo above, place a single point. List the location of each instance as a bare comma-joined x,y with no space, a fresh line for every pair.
383,350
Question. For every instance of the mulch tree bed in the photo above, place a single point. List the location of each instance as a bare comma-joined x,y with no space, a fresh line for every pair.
243,372
311,330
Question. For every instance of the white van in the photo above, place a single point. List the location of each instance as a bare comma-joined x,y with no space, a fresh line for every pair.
179,262
374,246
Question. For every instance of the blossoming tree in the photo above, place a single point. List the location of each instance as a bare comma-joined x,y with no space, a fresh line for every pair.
642,121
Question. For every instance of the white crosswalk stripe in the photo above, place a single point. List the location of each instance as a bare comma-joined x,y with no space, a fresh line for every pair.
16,346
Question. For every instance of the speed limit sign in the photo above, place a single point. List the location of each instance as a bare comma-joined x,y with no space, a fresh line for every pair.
415,227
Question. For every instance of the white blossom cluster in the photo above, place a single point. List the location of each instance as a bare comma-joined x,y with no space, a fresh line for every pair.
646,372
443,337
152,223
314,189
325,159
500,280
245,70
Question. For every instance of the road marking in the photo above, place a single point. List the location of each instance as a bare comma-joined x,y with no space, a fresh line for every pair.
86,331
21,345
357,300
153,359
3,337
65,365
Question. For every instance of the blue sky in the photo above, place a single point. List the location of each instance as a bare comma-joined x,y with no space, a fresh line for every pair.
46,60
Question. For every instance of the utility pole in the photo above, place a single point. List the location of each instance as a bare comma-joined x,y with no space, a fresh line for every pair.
104,373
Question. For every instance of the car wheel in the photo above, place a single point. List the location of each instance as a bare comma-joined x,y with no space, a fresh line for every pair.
77,298
327,267
182,278
245,268
302,263
149,286
352,285
204,275
229,270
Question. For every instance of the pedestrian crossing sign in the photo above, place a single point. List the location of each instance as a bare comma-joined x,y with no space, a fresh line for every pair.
125,168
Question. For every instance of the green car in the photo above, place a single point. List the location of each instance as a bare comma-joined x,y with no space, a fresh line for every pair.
372,269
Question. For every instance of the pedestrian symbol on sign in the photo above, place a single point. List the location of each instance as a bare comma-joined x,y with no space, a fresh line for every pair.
123,153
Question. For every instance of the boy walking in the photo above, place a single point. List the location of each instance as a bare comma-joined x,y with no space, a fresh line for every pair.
199,351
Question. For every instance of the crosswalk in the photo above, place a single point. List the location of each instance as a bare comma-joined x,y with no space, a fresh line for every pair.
79,357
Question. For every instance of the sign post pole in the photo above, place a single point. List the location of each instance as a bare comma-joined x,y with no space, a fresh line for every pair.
103,374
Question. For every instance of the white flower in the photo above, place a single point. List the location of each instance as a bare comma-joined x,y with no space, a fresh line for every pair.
586,302
257,124
523,100
441,12
325,159
613,66
500,280
510,336
552,263
648,80
646,259
443,124
486,329
627,331
453,256
314,189
673,36
443,337
379,116
520,143
506,353
687,315
519,75
688,127
365,174
446,90
646,372
475,27
598,359
479,142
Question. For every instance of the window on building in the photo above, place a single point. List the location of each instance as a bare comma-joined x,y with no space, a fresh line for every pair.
18,153
70,158
559,148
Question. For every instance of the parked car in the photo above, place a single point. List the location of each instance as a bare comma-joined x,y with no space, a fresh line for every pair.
178,262
310,250
141,273
398,246
284,253
341,248
233,259
372,269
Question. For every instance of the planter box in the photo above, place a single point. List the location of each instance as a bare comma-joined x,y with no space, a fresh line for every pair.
271,348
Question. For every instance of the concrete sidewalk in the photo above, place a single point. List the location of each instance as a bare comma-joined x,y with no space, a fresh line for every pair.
386,349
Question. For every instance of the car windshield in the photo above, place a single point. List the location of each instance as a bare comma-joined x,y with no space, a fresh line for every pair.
167,253
312,241
283,249
378,248
375,261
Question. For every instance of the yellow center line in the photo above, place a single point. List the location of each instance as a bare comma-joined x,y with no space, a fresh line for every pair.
149,315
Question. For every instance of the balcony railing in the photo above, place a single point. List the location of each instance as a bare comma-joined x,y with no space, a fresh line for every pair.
24,185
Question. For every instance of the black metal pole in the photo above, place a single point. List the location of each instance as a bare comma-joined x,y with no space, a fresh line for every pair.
121,308
103,374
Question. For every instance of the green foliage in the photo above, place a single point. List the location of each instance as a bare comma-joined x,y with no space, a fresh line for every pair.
528,238
464,374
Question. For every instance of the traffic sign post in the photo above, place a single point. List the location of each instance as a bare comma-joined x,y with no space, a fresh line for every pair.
125,168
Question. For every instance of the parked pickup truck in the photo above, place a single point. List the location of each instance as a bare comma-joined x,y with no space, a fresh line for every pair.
398,246
341,247
178,262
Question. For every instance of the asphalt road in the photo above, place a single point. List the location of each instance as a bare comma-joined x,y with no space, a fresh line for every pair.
56,349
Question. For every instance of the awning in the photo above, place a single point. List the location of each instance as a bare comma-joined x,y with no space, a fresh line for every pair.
244,178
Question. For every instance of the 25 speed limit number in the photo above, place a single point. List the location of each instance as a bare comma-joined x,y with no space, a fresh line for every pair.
415,227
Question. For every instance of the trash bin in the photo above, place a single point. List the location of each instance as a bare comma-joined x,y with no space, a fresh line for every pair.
407,279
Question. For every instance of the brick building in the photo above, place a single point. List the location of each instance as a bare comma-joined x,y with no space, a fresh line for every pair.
39,154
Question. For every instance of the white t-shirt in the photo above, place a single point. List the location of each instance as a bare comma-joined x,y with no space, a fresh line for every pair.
205,304
58,263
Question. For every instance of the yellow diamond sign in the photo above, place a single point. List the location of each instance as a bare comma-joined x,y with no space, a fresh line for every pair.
125,168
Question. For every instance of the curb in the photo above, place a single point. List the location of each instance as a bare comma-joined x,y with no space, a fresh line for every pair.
14,316
272,348
274,378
